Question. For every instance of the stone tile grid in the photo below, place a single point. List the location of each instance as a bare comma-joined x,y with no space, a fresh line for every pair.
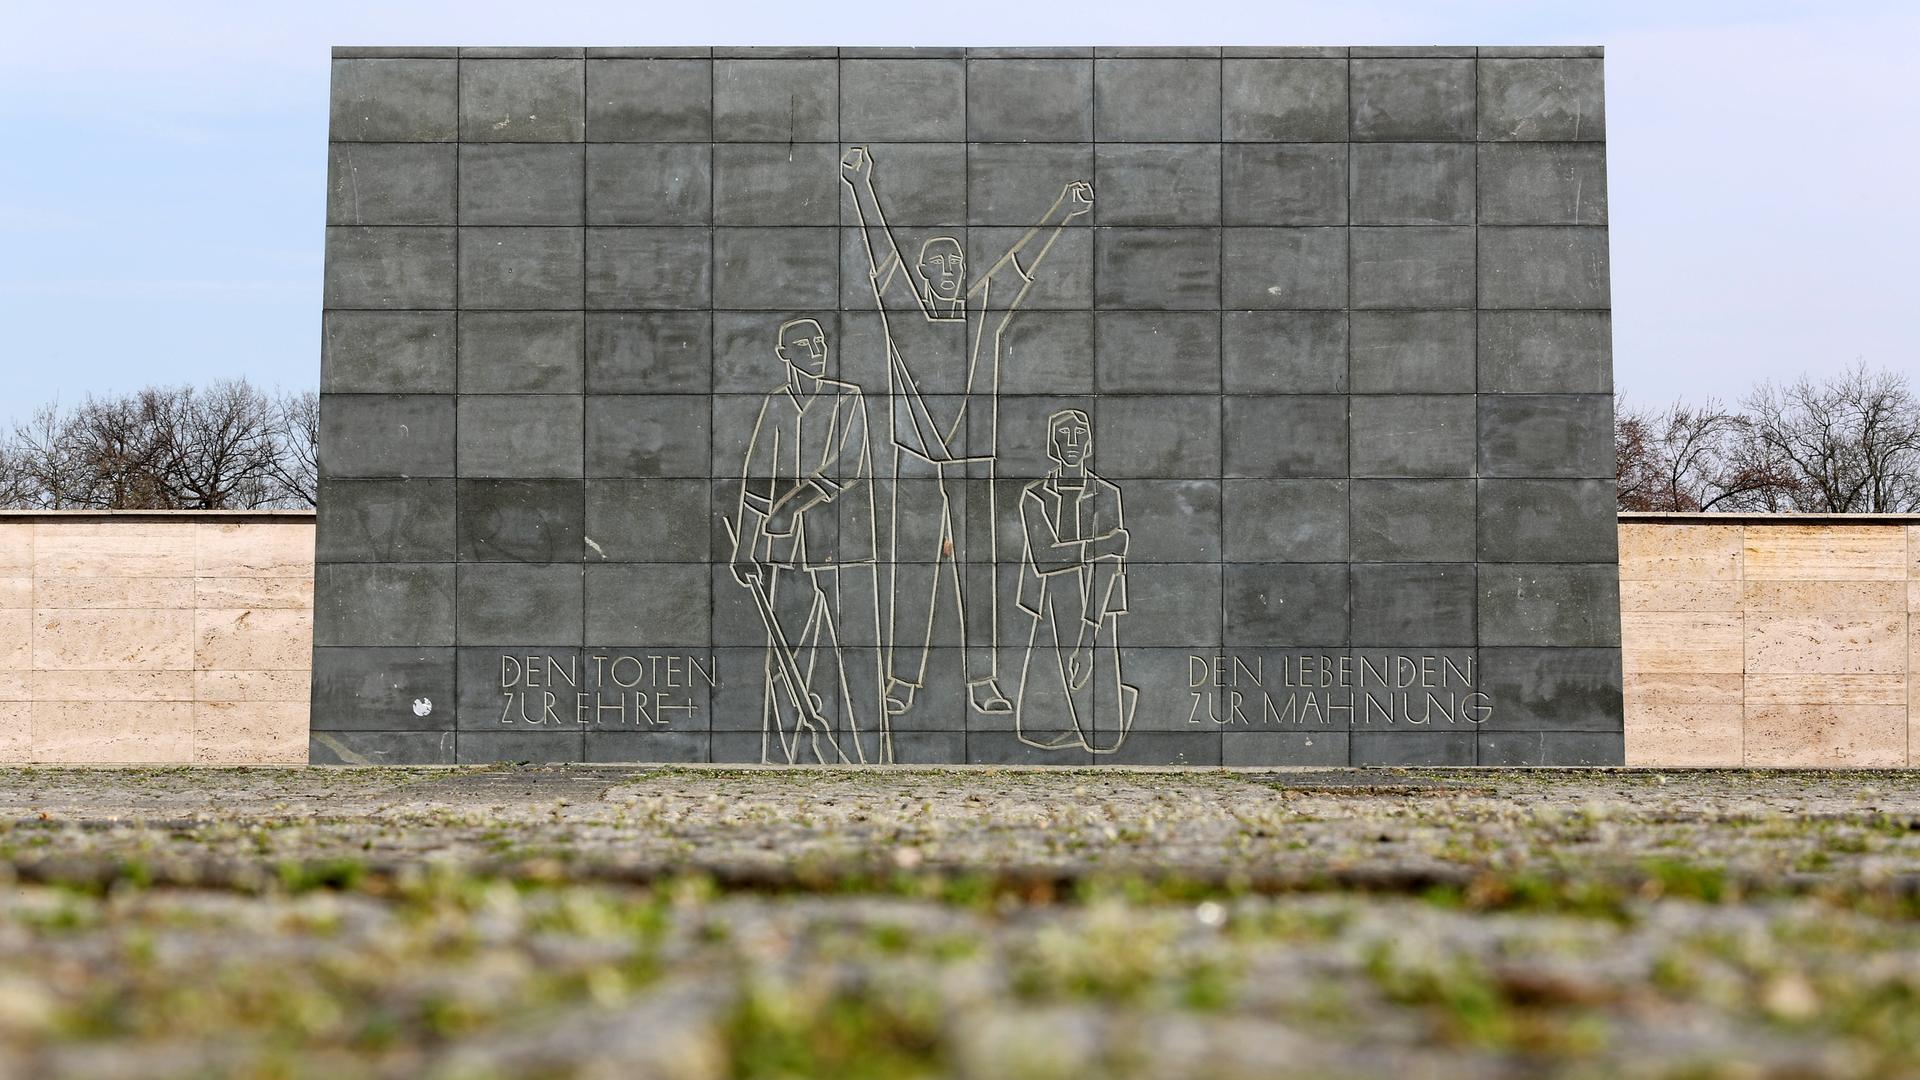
1183,57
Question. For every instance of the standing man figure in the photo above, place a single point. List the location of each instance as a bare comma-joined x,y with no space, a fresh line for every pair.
944,347
803,545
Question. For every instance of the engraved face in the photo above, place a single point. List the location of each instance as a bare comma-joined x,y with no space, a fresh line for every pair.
1069,437
804,345
943,267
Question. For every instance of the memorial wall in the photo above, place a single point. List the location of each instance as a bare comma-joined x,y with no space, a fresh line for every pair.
1177,406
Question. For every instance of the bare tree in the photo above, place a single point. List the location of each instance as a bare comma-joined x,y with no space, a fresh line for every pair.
1852,443
221,447
1684,459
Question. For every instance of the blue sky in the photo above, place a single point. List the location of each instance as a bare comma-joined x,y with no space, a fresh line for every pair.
162,190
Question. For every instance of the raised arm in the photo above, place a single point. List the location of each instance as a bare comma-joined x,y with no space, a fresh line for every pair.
1023,259
887,269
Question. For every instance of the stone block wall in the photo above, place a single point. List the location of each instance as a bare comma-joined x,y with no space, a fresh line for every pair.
1769,640
1336,324
153,638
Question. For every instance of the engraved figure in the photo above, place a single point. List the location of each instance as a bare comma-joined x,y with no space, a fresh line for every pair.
1074,585
803,546
944,347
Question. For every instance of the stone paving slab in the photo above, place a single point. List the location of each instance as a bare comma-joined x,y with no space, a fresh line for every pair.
965,922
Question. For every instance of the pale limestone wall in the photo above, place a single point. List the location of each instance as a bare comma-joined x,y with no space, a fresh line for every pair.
1763,641
155,638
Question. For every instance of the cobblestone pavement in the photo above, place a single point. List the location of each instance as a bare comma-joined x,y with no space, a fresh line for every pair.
990,923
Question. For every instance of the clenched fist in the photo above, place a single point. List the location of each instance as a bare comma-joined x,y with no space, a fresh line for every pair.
1079,197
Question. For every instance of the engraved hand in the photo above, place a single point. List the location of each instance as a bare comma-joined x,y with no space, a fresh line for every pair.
856,166
746,573
1080,665
1079,198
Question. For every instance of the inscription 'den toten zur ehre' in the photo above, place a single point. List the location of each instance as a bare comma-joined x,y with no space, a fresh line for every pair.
1335,690
612,690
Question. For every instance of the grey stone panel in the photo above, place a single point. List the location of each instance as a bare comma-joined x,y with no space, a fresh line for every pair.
1157,352
930,748
522,184
1284,352
1543,267
1015,184
1550,604
1156,100
1413,352
533,747
1413,184
520,435
1542,100
1508,52
775,52
1285,52
1284,268
1534,689
650,268
1546,352
1508,749
1413,520
1547,435
1275,605
1026,52
520,268
1165,748
620,747
1543,183
387,352
1030,100
1413,267
1173,436
1285,520
383,689
736,748
1048,352
647,435
394,52
393,101
1397,603
522,101
924,185
649,184
1242,749
380,748
521,352
1413,435
775,184
401,604
649,100
1412,748
1582,748
1172,520
527,521
1285,183
662,352
732,417
1375,52
1413,100
658,605
511,603
389,267
384,521
647,52
903,100
1285,436
774,269
386,435
1002,748
1063,282
521,52
648,520
1547,520
506,688
1286,100
1157,184
1173,605
776,100
390,184
1143,52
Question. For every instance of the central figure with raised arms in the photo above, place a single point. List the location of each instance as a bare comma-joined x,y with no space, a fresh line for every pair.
944,347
